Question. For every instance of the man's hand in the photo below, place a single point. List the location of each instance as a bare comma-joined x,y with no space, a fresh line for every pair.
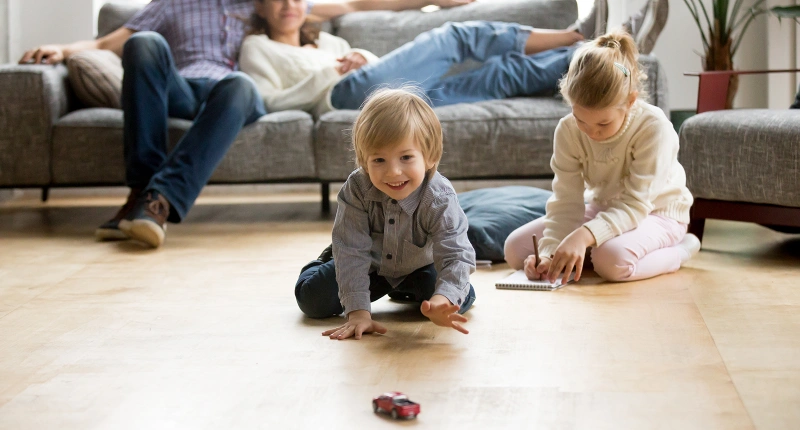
45,54
444,4
351,61
443,313
358,322
570,254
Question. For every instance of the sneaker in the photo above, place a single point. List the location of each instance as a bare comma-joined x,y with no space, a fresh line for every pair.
646,25
690,245
327,254
595,23
109,230
147,222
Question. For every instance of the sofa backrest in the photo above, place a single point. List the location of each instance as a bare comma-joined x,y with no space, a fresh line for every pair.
380,32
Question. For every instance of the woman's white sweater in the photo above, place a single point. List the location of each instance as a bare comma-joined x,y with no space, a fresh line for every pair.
291,77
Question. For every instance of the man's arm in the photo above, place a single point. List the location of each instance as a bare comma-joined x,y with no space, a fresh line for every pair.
325,11
53,54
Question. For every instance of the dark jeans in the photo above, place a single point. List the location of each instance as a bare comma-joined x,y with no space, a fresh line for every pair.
796,104
152,92
317,292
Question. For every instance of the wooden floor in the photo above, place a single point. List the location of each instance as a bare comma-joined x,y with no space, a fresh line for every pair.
205,333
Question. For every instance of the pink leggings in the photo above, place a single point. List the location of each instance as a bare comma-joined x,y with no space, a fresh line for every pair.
647,251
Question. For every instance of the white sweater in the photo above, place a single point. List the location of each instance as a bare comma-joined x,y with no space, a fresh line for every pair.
631,175
291,77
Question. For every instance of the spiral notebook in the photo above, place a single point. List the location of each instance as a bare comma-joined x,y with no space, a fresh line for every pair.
518,281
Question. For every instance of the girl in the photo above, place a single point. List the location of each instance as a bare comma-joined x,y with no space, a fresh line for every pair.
618,153
296,68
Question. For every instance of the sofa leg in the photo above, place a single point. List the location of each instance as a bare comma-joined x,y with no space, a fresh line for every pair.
45,194
326,201
696,227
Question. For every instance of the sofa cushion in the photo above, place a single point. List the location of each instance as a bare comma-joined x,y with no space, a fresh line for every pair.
96,77
493,213
743,155
492,139
87,149
114,15
380,32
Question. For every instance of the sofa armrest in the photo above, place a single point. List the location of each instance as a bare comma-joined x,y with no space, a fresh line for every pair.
32,98
656,84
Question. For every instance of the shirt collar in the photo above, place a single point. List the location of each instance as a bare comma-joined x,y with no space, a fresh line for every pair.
408,204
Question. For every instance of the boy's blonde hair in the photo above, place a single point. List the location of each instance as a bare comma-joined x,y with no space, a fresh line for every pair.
388,117
604,72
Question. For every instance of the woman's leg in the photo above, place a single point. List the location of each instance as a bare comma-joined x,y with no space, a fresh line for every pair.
428,57
649,250
519,244
509,75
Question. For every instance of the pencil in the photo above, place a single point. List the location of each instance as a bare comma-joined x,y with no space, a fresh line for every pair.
536,250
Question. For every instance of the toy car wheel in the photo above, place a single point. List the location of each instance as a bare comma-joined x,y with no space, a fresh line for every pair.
375,407
394,413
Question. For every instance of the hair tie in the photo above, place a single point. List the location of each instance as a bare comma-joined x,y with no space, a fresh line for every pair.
623,68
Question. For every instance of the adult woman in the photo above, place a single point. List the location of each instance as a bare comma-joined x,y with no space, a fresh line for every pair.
314,71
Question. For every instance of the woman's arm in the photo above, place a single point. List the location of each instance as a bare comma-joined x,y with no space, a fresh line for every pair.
325,11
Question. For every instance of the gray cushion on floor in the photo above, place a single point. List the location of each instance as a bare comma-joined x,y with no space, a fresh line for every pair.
87,148
490,139
380,32
745,155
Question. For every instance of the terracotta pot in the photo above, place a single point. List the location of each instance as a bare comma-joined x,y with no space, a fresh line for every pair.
718,57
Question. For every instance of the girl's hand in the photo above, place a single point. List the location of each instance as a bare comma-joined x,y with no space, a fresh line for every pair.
358,322
443,313
570,254
351,61
534,272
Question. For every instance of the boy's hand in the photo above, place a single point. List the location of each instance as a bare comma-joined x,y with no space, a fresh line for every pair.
443,313
570,254
534,272
358,322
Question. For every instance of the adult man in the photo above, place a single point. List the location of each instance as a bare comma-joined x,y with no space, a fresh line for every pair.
180,60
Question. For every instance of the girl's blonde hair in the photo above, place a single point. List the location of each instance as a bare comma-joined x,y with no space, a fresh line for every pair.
388,117
604,72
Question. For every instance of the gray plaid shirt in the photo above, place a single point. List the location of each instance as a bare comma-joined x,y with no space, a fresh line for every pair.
375,233
204,35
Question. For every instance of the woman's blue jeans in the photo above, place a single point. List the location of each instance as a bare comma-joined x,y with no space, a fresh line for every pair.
152,92
506,70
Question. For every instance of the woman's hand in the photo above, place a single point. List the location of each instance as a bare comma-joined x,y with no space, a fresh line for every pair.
358,322
570,254
351,61
443,313
534,272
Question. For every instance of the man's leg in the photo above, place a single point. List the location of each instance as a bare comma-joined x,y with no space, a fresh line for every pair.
232,103
510,75
152,90
796,104
428,57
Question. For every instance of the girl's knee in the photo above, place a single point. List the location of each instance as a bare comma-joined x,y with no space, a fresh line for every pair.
612,263
513,253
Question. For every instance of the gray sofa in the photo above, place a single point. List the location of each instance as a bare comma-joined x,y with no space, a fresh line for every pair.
48,140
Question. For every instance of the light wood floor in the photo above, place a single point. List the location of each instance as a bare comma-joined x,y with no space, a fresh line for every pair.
205,333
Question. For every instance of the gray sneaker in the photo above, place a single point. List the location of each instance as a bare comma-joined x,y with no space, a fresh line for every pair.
646,25
595,23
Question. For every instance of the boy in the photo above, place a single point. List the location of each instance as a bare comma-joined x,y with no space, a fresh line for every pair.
398,228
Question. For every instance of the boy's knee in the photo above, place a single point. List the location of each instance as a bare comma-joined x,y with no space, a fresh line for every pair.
315,296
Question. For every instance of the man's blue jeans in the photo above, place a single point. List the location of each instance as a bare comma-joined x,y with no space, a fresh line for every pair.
152,92
317,291
506,70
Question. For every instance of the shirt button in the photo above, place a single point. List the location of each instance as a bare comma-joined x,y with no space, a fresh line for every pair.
388,256
391,220
459,301
394,202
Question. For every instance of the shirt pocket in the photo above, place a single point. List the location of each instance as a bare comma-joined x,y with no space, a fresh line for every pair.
415,257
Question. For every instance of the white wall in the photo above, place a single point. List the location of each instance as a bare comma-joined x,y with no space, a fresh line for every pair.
37,22
3,31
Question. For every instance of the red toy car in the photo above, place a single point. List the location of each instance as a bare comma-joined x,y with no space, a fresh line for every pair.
396,404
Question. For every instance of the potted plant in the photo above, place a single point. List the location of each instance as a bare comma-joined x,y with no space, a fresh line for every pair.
722,31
